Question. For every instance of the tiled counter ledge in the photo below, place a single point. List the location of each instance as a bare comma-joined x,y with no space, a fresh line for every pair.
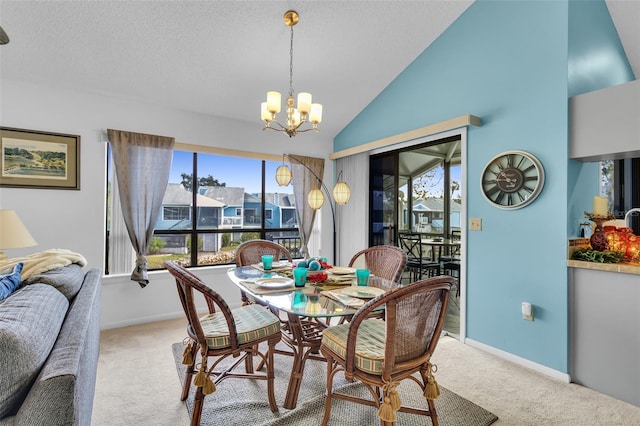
623,267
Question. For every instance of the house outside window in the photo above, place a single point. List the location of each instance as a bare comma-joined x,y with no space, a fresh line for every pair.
228,208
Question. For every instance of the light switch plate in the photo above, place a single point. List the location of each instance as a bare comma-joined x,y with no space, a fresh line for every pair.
475,224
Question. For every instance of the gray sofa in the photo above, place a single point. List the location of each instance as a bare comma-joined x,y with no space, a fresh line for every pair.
49,344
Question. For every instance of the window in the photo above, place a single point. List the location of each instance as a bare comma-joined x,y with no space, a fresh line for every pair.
289,218
232,196
175,213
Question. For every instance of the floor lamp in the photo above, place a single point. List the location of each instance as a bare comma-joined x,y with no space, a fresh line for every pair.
315,199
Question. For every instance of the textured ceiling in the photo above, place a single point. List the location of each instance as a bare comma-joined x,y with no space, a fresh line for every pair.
221,57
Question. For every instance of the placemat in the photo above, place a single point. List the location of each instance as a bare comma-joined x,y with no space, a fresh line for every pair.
345,300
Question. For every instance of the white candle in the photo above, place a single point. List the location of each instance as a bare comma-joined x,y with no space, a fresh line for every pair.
600,206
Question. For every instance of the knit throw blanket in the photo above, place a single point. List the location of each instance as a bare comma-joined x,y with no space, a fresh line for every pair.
44,261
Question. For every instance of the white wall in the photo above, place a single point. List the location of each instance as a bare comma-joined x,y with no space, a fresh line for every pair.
75,220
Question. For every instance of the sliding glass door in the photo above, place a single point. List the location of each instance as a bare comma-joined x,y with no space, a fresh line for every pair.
418,188
415,189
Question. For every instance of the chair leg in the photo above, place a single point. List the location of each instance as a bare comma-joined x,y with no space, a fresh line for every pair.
271,376
186,386
248,361
327,404
432,412
198,403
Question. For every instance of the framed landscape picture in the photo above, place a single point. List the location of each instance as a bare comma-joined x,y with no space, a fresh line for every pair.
35,159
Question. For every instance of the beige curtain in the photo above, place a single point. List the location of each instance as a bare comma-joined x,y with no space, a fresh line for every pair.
142,163
307,172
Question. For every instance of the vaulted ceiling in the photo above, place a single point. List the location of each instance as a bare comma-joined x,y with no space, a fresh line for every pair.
220,57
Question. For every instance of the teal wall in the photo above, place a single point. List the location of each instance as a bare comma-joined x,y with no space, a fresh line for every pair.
596,57
506,62
596,61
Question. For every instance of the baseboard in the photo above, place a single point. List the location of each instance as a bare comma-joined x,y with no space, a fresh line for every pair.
142,320
154,318
558,375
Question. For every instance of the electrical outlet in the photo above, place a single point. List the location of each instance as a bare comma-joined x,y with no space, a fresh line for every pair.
475,224
527,311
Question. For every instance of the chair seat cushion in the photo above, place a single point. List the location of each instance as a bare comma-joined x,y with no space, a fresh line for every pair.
253,322
369,344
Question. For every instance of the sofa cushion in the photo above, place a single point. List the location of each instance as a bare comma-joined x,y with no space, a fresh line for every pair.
66,279
9,280
30,320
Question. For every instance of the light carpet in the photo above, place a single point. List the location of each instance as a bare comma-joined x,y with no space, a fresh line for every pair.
244,402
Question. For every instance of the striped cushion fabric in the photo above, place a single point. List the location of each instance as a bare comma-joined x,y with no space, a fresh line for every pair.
369,344
252,323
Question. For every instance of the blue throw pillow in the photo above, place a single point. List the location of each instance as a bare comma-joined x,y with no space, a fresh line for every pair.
10,281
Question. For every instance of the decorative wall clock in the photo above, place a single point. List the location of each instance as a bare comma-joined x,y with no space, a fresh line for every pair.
512,179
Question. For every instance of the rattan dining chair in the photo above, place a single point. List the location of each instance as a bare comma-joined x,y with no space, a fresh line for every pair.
380,354
222,333
388,262
250,253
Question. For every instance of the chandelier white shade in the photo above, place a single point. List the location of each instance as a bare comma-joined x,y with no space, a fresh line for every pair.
305,112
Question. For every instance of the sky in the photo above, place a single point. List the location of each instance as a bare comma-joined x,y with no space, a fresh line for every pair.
234,171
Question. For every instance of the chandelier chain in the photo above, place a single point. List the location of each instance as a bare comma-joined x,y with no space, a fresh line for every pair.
291,65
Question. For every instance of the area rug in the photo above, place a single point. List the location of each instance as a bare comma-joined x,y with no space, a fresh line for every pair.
244,402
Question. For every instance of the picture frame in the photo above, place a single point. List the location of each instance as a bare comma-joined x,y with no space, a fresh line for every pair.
37,159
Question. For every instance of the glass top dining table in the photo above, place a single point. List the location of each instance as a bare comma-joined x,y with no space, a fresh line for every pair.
305,301
304,312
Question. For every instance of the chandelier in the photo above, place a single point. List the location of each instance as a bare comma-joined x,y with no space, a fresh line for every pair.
306,112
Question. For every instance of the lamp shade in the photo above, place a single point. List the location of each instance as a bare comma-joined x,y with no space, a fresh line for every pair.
341,193
315,199
13,233
283,175
304,102
274,102
315,116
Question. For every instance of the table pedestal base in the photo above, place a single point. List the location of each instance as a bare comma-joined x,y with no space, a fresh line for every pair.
303,335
